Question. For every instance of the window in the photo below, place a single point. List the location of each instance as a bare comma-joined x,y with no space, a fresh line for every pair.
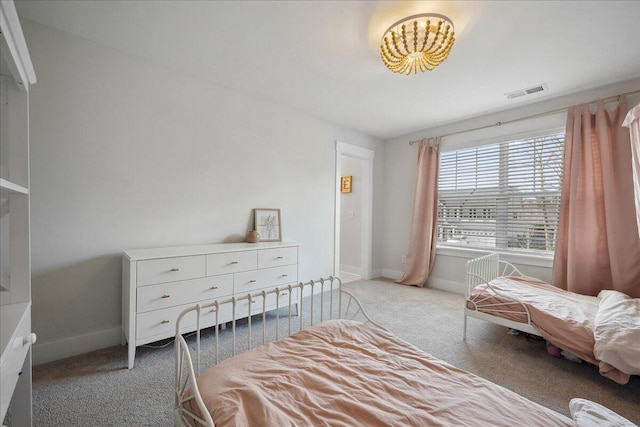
502,196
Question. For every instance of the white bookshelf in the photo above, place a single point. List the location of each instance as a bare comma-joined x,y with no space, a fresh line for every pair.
16,337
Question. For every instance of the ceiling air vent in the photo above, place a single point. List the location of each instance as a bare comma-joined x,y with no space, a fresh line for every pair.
528,91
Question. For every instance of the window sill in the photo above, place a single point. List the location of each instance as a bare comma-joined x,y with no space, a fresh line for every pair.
515,258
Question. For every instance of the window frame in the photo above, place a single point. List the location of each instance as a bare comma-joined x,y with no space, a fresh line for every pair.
533,257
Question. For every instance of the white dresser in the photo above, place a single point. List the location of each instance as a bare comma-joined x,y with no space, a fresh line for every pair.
158,284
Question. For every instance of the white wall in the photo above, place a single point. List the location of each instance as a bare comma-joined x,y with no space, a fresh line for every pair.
400,174
126,154
351,217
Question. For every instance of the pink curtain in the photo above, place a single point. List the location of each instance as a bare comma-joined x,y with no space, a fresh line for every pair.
598,245
632,121
422,241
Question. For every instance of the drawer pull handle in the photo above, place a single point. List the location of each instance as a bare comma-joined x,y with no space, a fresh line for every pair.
284,294
164,322
213,310
284,275
279,257
252,281
213,288
29,339
234,262
175,269
166,296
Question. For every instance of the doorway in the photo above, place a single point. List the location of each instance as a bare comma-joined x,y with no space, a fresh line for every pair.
353,212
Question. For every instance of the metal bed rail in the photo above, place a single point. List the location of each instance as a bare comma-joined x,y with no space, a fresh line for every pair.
315,301
481,271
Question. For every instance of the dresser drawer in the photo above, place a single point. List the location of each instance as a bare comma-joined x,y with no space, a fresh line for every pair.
13,359
277,256
250,281
162,323
165,270
257,303
231,262
155,297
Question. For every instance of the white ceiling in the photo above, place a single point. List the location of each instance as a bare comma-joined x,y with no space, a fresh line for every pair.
322,56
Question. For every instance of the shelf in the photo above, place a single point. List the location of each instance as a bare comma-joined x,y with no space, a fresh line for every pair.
14,44
8,187
16,337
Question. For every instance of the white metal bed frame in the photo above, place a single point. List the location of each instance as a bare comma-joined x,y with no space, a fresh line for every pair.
483,270
186,390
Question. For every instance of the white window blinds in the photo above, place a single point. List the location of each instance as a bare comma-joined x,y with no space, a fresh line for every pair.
502,196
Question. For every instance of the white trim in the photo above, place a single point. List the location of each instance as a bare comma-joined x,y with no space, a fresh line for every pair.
350,269
73,346
376,273
446,285
441,284
392,274
348,277
520,129
366,239
514,258
525,129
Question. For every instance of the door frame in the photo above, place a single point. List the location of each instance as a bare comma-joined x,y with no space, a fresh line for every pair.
366,232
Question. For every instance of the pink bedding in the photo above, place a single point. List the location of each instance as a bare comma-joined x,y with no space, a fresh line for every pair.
345,373
564,318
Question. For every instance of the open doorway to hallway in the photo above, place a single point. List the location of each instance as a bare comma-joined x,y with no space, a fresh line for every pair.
353,214
351,220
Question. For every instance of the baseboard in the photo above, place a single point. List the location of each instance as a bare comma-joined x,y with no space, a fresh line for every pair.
441,284
392,274
376,273
73,346
446,285
351,269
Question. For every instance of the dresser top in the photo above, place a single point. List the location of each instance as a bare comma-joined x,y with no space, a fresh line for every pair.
174,251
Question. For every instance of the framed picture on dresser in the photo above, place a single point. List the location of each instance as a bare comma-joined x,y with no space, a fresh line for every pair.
268,225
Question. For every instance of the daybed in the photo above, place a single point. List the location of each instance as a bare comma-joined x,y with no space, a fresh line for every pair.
602,330
344,371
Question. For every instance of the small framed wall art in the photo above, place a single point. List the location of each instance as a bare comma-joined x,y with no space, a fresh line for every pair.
345,184
267,224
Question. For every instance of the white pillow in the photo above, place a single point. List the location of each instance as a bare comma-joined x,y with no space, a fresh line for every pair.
591,414
616,333
611,296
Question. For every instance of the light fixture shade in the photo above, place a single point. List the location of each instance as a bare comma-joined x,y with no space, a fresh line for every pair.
418,42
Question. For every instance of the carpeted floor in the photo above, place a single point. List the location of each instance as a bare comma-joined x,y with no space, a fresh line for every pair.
96,389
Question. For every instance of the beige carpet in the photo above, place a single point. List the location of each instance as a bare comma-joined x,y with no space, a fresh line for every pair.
96,389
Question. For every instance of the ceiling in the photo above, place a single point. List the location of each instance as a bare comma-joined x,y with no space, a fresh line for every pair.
322,57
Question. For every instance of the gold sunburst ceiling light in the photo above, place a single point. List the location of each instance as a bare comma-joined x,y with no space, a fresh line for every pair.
419,42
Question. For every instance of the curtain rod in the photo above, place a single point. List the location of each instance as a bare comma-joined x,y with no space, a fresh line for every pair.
548,113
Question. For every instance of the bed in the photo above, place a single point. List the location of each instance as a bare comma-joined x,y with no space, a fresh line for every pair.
602,330
338,369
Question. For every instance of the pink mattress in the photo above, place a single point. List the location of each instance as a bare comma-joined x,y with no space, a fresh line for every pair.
345,373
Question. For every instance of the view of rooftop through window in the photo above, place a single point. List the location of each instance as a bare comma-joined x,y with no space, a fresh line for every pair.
502,196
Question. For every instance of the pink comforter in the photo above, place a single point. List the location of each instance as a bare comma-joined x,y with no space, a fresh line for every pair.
564,318
344,373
